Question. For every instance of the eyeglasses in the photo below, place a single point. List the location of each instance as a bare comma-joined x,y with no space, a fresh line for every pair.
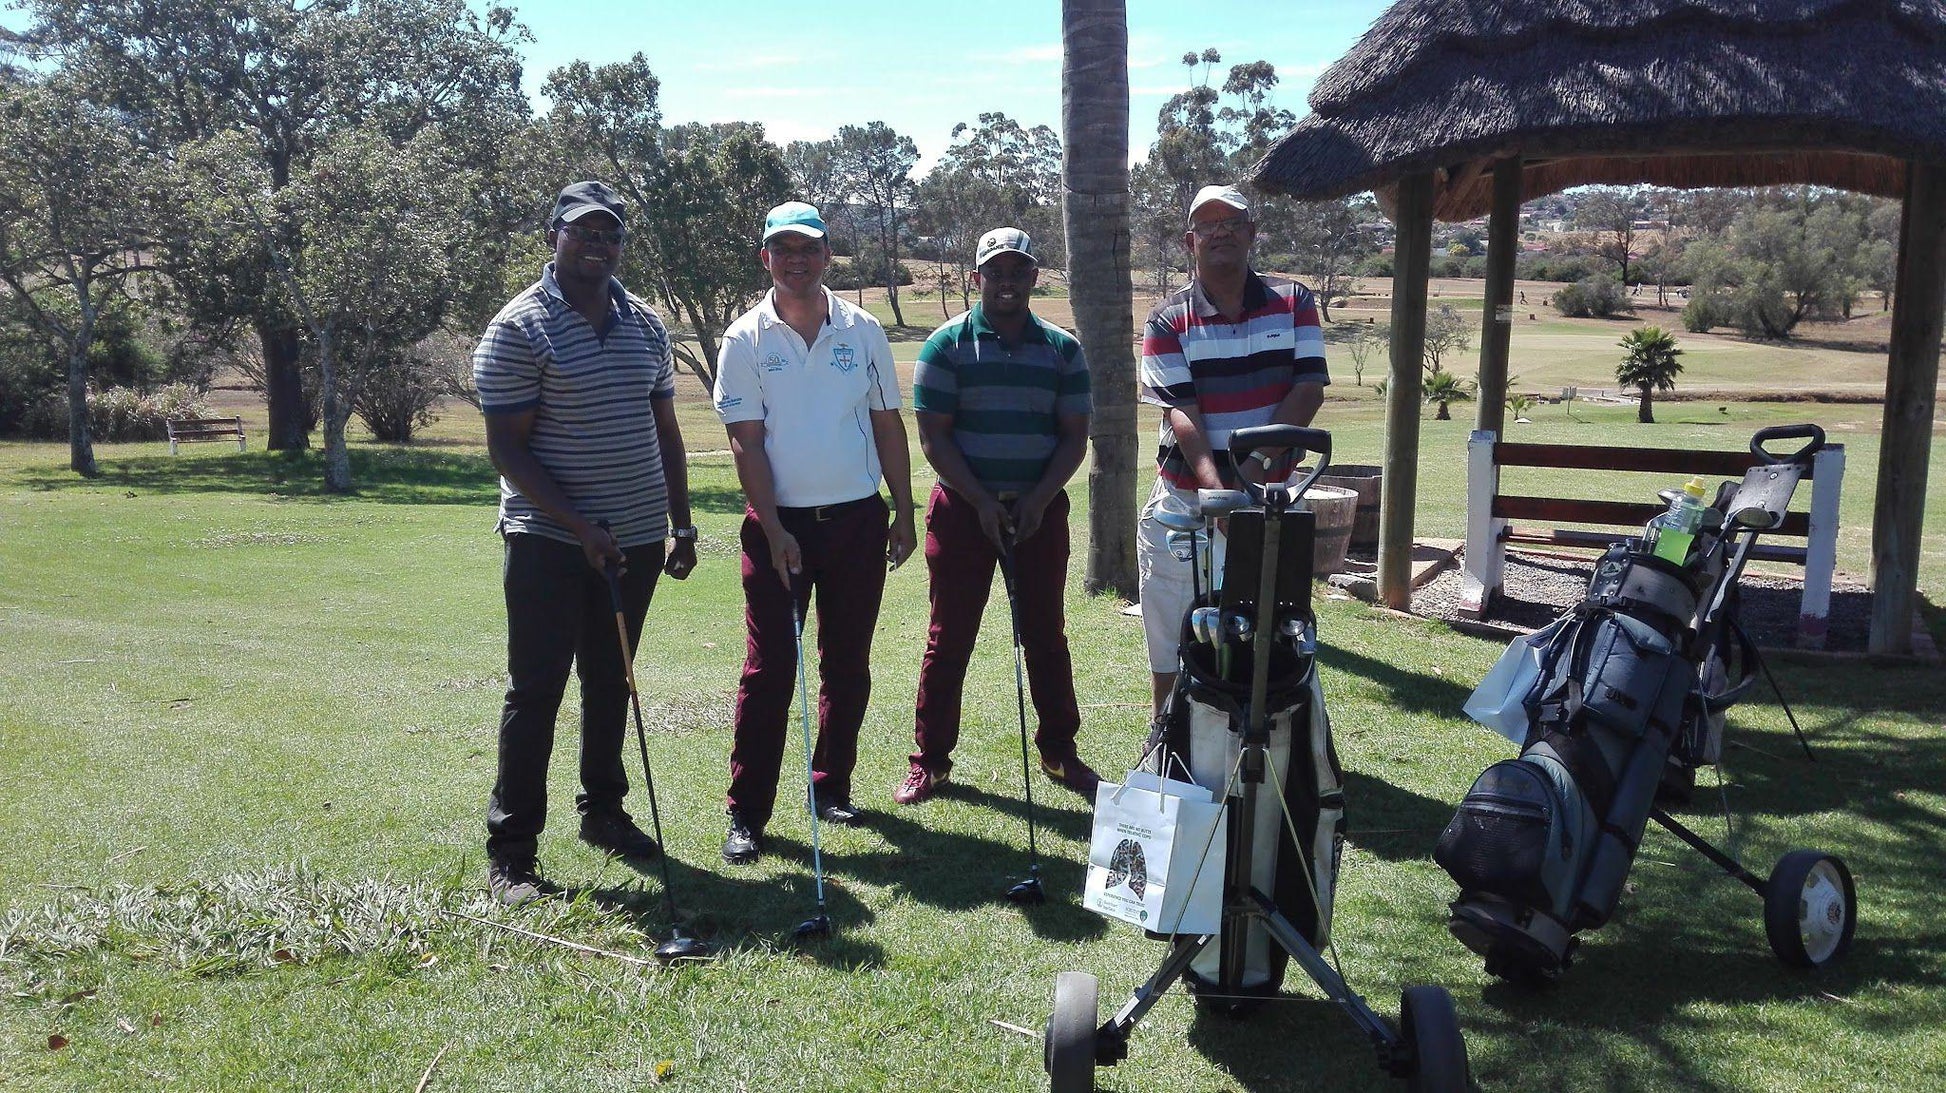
581,233
1235,225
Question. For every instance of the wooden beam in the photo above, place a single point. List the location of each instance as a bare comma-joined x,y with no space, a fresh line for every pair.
1411,265
1497,316
1912,375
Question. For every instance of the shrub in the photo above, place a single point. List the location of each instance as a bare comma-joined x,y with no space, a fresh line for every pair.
122,414
842,275
1703,312
1592,297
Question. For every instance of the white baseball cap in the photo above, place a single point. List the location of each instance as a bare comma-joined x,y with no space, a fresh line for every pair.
1228,195
1004,241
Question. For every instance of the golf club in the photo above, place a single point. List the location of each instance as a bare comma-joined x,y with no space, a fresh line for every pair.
680,946
1028,891
820,926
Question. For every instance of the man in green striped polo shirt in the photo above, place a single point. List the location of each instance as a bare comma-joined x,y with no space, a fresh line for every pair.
1002,401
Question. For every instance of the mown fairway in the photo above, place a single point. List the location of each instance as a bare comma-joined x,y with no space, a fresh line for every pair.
246,733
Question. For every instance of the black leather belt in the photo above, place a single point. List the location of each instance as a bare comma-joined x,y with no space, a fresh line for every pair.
821,513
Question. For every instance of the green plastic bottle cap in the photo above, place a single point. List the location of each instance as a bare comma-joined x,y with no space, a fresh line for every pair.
1696,487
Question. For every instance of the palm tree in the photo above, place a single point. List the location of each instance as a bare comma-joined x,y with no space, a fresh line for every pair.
1650,366
1442,388
1094,177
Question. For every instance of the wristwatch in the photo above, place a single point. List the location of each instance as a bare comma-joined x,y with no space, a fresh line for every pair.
687,534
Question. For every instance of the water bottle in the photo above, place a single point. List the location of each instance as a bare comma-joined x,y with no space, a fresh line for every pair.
1674,531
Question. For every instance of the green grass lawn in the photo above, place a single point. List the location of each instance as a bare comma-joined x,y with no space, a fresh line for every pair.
247,730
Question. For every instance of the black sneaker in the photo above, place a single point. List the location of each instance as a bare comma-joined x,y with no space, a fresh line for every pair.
612,830
838,810
741,845
514,884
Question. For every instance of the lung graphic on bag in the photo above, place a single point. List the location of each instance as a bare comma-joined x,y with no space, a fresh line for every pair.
1127,867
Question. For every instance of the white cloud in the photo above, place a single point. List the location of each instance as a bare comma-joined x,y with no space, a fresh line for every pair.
745,62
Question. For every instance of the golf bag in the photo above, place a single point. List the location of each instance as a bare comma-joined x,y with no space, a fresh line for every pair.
1202,730
1541,844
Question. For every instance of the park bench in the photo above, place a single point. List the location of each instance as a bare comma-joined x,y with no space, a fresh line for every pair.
189,430
1491,514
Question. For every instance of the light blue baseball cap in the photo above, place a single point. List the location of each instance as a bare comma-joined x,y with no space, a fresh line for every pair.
794,216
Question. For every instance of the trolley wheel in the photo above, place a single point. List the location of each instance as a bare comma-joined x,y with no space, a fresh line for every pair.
1430,1028
1810,908
1068,1051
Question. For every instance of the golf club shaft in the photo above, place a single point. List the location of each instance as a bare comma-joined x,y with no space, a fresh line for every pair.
641,739
1020,702
810,771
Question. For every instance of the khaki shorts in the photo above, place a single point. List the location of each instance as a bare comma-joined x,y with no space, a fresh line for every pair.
1165,585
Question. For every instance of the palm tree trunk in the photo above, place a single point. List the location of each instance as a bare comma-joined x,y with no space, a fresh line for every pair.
1645,414
1094,176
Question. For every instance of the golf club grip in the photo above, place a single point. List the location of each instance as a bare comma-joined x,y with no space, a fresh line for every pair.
1244,442
1812,434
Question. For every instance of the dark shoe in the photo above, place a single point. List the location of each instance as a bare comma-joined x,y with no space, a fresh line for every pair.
1073,774
516,883
741,845
838,810
612,830
920,784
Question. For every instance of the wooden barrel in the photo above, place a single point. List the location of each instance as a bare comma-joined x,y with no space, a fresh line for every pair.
1363,480
1336,509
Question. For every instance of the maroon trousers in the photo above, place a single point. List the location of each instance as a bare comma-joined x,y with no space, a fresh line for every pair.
844,566
961,560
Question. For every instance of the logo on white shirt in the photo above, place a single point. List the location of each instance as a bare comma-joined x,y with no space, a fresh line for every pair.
775,363
841,356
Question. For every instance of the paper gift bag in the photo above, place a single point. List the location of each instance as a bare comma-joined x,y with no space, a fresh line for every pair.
1503,700
1156,858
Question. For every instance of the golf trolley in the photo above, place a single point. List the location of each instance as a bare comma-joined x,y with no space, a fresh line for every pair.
1622,700
1247,707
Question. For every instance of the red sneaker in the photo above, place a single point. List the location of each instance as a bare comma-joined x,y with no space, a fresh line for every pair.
1072,773
919,785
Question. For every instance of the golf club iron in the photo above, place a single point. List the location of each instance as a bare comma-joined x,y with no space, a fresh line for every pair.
680,946
819,926
1028,891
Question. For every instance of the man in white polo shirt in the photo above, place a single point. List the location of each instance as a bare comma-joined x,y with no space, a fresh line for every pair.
806,387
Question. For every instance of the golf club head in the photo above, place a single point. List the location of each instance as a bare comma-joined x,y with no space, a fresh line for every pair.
1027,893
1221,502
812,928
679,947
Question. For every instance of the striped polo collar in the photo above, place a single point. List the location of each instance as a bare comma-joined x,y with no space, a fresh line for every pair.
557,303
1255,295
976,325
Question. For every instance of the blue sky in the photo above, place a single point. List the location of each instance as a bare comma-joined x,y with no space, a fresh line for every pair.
804,69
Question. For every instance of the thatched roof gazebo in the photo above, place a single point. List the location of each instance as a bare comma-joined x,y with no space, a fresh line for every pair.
1453,108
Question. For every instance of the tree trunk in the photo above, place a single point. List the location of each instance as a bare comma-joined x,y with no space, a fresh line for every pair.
1645,413
81,446
290,429
1094,176
892,270
1445,412
337,461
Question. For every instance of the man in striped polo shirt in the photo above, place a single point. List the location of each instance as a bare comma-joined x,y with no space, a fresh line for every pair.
577,383
1003,402
1232,350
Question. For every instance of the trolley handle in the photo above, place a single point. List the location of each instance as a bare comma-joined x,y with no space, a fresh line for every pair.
1297,438
1813,442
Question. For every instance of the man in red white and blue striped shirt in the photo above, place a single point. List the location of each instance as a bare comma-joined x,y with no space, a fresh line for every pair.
1232,350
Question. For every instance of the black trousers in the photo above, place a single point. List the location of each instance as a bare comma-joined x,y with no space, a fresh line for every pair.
559,617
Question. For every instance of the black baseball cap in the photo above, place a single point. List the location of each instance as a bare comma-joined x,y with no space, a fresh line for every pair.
582,198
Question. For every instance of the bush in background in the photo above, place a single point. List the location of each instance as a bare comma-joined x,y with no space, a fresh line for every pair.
1598,297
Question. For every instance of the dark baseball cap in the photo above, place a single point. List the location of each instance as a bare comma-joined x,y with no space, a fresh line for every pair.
582,198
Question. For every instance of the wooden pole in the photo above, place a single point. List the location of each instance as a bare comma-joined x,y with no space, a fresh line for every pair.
1497,317
1912,374
1411,265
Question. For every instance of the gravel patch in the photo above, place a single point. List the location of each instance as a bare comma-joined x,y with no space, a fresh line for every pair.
1538,587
